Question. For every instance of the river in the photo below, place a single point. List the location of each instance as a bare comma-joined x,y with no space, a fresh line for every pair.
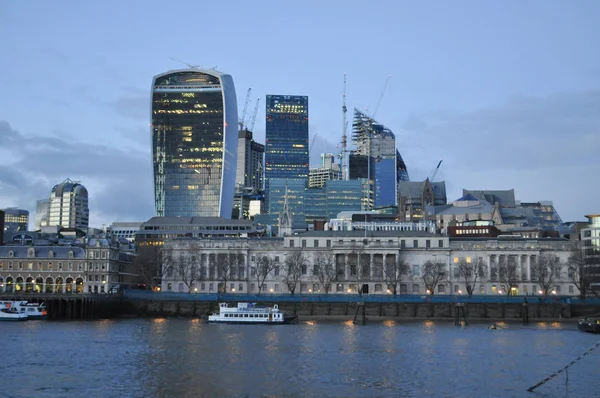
314,358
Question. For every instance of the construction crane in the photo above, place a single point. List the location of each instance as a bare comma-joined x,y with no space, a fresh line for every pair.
253,120
433,174
243,119
311,145
387,81
342,155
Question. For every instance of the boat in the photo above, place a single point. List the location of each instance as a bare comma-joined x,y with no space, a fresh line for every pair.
31,310
250,313
11,314
590,325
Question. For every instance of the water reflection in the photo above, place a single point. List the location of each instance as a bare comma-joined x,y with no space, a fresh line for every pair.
188,358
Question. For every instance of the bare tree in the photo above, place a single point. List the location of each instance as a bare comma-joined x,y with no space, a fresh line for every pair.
264,266
147,264
433,273
393,273
324,269
360,265
182,265
295,267
509,275
225,270
579,269
470,271
545,271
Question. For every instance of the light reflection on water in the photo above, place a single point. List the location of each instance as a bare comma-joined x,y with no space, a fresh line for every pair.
189,358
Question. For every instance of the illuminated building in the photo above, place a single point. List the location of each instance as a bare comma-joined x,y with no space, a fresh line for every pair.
194,143
41,214
16,220
68,205
286,143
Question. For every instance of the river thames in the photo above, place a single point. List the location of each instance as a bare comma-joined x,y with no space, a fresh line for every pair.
190,358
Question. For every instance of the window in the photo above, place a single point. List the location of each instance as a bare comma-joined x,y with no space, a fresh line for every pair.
440,243
455,288
403,288
378,287
202,286
328,242
415,289
276,259
402,243
252,287
571,289
241,287
30,266
481,289
304,269
253,258
303,242
276,271
415,243
291,243
316,243
416,270
441,288
427,243
339,287
211,287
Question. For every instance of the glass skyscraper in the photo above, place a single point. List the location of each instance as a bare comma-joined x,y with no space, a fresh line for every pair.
378,143
286,140
194,143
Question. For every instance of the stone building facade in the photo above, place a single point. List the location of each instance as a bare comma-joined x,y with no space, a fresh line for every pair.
375,250
95,267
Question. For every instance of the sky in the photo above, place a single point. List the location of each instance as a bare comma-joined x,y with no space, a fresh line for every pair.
506,93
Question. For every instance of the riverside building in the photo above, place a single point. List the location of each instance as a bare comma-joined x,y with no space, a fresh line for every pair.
194,143
355,258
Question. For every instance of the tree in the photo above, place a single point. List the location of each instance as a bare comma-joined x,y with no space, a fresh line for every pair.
295,267
433,273
147,264
470,271
324,269
578,270
264,266
225,270
182,265
545,271
393,273
509,275
360,265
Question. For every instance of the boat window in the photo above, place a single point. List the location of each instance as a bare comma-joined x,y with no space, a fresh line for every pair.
245,315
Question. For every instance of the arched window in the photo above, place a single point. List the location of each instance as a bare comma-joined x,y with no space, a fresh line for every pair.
49,285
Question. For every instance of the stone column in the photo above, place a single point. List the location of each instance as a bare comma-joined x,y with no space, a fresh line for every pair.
489,266
346,268
528,265
371,266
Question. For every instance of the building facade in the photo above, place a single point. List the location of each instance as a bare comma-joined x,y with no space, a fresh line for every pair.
68,205
286,141
97,266
378,143
194,143
356,260
250,159
41,214
16,220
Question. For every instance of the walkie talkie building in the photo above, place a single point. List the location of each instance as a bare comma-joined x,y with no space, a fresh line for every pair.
194,143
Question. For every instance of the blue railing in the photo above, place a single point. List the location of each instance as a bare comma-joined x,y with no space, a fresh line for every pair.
134,294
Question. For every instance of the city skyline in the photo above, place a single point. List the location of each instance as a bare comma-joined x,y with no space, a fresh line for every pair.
507,95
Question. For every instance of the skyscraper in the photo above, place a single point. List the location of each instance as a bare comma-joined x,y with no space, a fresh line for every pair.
250,157
68,205
16,220
378,143
41,214
194,143
286,146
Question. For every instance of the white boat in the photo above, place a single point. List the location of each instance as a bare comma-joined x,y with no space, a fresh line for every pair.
31,310
250,313
11,314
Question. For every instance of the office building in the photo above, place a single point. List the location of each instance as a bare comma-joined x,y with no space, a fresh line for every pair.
16,220
286,141
68,205
194,143
41,214
250,159
378,144
328,170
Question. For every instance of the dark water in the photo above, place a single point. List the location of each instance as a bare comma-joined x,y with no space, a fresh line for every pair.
189,358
